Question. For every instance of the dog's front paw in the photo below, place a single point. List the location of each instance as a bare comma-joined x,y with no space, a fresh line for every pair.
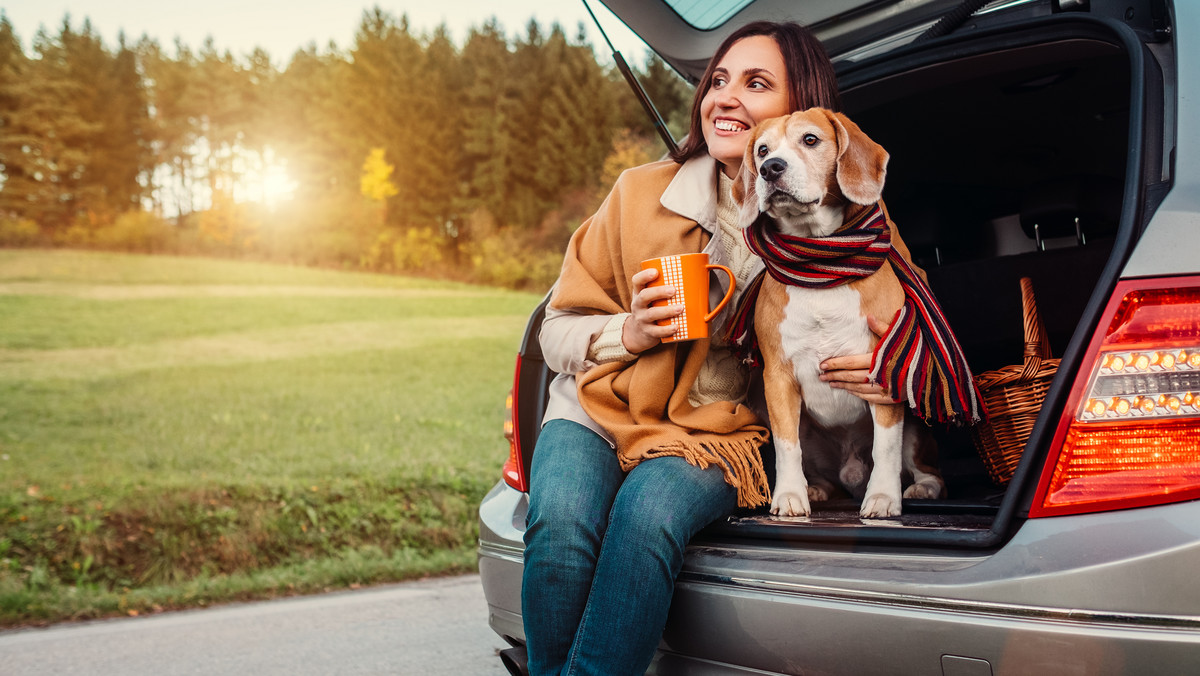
790,504
926,489
880,504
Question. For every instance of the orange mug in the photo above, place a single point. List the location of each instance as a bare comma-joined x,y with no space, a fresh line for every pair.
688,273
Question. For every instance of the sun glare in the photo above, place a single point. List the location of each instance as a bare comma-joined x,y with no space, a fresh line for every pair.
271,186
266,182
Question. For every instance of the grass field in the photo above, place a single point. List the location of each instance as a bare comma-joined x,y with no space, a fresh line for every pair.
176,431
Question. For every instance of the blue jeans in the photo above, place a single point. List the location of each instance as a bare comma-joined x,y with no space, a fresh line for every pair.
602,550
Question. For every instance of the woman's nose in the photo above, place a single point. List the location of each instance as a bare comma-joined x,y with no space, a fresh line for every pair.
726,98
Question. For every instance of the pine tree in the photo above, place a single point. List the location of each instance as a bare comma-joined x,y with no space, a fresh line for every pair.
487,67
671,94
437,170
123,159
174,125
17,168
55,141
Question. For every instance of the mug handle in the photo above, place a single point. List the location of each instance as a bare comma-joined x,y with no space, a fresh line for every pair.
728,294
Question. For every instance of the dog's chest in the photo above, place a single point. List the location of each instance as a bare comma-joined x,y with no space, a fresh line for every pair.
818,324
822,323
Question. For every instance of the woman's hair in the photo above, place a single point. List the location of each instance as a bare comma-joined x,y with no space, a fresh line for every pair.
810,77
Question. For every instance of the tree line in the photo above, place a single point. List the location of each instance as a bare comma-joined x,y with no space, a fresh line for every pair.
403,152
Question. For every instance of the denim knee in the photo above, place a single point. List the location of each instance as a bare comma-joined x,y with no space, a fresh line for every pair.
667,500
573,479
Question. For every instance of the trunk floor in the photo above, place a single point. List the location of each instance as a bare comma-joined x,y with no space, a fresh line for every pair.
939,515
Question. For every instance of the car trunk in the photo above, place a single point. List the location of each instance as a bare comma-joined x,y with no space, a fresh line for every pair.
1010,157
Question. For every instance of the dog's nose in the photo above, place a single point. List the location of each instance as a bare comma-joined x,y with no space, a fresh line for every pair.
772,169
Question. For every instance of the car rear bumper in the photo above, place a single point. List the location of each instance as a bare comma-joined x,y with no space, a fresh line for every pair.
1110,593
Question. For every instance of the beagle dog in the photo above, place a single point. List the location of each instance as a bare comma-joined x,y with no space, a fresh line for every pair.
805,174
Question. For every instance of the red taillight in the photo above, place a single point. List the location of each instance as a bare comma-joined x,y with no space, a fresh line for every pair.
514,468
1130,434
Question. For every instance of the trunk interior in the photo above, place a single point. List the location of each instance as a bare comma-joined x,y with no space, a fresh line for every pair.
1017,174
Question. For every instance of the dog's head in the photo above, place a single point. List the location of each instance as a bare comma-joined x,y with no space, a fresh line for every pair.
796,167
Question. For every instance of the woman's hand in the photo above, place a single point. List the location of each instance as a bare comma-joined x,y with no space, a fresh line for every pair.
641,331
853,373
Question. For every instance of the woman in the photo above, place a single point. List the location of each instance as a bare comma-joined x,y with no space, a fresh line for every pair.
607,530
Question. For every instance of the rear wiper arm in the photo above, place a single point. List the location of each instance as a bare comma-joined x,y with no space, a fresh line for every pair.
647,104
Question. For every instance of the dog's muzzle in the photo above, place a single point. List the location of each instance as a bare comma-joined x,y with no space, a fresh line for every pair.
777,196
772,169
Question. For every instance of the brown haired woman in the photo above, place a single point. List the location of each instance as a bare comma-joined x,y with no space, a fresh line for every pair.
644,443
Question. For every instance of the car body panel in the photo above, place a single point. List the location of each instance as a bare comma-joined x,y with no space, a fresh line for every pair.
1168,245
1017,608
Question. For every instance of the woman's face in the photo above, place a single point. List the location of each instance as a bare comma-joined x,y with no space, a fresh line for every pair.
749,85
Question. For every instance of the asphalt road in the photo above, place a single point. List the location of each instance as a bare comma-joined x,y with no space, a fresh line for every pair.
424,627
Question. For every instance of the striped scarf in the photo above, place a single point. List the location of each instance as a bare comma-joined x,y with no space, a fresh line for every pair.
918,356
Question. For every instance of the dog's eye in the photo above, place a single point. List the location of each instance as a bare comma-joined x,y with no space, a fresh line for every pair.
810,139
763,150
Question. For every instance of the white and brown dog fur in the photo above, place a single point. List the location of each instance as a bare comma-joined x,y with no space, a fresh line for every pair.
806,171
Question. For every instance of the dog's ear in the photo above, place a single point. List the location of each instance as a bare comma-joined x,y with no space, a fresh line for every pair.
861,162
744,192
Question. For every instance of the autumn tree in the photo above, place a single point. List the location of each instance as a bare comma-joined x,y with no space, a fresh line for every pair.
484,148
174,128
376,183
18,185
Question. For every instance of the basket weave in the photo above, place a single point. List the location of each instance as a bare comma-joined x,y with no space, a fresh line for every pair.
1013,396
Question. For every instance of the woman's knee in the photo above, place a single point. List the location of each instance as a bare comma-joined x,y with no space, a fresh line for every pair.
573,480
671,500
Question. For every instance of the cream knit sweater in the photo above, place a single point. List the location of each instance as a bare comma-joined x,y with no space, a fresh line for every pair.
722,377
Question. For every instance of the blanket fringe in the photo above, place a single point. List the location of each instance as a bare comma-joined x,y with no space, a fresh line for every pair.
740,462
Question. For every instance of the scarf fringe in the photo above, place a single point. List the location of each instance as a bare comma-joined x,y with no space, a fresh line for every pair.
920,357
739,460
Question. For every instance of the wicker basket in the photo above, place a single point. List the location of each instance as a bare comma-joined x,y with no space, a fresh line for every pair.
1013,396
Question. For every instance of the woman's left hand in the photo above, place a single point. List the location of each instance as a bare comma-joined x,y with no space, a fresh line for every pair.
853,372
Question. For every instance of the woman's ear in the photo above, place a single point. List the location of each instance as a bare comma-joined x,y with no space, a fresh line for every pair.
744,192
861,162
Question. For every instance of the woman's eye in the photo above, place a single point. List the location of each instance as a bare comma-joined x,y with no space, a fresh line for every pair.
763,150
810,139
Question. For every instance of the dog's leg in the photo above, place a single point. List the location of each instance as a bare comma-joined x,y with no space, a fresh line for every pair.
790,497
784,402
883,488
920,453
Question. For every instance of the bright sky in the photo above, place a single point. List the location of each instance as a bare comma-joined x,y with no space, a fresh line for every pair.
283,26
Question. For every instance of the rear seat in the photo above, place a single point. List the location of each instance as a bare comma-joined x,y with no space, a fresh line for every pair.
982,299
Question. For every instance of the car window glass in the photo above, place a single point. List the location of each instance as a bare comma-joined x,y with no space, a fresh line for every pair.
707,14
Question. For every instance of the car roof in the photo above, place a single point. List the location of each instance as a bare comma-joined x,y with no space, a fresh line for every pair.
685,33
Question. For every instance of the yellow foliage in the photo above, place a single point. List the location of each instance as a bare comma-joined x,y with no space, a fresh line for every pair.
17,231
628,151
376,183
227,224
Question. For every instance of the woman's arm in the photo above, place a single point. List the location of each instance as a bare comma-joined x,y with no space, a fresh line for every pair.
573,342
853,372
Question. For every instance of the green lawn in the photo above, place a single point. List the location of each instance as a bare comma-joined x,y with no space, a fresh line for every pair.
179,431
